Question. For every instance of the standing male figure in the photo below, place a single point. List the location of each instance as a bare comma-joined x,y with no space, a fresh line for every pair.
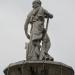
37,33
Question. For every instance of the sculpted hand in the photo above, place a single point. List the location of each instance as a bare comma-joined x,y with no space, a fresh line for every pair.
28,36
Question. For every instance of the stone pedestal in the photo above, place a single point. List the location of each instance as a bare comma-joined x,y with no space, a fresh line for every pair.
38,68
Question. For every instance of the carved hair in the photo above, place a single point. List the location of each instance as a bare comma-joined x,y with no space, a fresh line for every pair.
37,1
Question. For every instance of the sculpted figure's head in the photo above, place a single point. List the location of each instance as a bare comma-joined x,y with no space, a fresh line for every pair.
36,3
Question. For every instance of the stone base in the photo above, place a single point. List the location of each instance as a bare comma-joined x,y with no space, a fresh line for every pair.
38,68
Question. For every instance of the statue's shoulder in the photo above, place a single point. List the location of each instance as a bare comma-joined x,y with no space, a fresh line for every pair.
41,9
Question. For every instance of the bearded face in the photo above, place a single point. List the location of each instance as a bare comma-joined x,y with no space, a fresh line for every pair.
36,4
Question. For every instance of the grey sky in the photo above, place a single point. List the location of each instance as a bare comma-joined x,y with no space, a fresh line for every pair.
61,30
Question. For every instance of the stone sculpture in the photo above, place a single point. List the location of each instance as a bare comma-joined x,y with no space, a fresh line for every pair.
38,33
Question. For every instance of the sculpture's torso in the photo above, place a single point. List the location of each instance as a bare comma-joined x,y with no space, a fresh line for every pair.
37,22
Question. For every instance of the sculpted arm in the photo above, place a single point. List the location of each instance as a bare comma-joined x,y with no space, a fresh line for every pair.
26,26
47,14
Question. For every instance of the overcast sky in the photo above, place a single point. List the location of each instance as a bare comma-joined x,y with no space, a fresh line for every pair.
61,30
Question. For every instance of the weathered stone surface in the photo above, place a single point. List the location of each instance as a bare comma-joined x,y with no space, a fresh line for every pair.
38,46
38,68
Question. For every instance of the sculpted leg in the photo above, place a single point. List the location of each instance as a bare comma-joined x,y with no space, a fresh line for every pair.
45,48
33,50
